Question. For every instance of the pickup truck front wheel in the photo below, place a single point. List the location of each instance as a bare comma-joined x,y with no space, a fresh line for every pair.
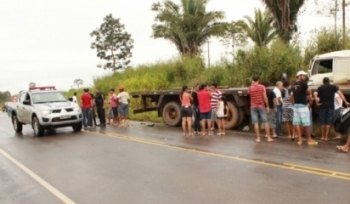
37,128
77,127
18,126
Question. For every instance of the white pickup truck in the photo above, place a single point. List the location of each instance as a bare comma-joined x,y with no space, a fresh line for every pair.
44,108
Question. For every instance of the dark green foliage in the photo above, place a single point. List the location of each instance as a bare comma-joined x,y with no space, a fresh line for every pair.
188,25
112,43
285,13
270,63
259,29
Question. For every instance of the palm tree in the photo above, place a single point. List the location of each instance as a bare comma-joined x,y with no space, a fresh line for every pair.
188,25
260,30
285,13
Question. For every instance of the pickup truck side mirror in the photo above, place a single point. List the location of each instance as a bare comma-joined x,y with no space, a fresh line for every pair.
26,102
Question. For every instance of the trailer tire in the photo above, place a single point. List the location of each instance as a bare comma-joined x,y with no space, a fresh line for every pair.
172,114
18,126
233,116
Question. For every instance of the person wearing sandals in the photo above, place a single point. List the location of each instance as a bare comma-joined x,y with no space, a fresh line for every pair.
204,97
287,113
345,148
302,97
259,107
325,101
221,112
186,111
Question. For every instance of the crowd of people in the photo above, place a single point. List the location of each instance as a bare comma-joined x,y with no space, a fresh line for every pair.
207,106
116,104
286,109
291,105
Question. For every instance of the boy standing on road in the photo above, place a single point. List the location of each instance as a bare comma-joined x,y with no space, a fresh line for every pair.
302,97
258,107
86,108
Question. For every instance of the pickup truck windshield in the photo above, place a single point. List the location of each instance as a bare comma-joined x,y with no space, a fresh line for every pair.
48,97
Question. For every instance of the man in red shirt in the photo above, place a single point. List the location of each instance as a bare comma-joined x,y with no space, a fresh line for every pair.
86,108
258,107
204,97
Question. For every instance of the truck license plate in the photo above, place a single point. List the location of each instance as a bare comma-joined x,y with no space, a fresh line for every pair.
65,117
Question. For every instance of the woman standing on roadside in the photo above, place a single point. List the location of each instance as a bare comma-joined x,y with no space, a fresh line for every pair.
287,113
186,111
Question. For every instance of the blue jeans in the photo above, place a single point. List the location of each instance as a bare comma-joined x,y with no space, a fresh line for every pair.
278,114
86,117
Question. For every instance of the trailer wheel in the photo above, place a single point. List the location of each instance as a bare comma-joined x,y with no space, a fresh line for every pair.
18,126
172,114
233,116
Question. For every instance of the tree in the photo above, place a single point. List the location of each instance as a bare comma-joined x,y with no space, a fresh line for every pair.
285,13
260,29
78,82
112,43
188,25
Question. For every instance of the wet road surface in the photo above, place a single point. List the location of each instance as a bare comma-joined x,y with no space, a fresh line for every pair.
143,164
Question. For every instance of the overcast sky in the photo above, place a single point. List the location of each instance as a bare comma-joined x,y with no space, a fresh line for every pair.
48,41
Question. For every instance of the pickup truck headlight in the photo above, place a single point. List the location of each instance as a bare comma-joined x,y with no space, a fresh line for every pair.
45,112
77,110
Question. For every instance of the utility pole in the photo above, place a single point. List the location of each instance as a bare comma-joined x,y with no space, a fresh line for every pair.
208,42
344,27
335,11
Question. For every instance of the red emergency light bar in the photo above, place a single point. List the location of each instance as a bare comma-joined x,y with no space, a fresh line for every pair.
42,88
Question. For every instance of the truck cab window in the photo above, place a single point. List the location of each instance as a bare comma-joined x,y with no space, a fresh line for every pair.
323,66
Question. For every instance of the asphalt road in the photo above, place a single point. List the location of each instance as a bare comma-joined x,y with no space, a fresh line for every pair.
143,164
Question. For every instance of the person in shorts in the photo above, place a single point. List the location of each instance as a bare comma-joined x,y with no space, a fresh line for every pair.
186,111
325,101
221,112
259,107
123,106
302,98
287,113
204,97
215,97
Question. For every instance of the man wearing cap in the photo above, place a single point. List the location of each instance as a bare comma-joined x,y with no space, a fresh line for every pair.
325,101
302,97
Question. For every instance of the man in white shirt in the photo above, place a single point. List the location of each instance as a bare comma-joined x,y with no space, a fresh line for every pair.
123,107
278,107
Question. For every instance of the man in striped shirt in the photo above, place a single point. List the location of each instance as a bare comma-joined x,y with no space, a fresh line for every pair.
259,107
216,94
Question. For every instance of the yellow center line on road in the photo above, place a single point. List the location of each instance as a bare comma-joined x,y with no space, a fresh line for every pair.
287,166
37,178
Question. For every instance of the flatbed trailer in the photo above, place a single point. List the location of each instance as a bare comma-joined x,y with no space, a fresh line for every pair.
168,106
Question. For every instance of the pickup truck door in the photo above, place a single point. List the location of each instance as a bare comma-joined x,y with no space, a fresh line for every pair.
24,109
20,107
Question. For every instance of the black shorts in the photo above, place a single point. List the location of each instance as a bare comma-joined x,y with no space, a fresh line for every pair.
115,111
186,112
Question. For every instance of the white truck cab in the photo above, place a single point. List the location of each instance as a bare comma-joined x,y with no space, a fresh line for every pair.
334,65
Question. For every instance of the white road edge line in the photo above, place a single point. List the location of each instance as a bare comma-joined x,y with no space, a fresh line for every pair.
37,178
